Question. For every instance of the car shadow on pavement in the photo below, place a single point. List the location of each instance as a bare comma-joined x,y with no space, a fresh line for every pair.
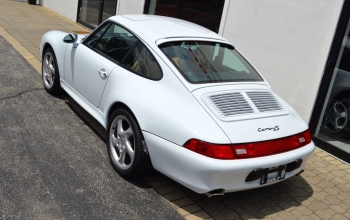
99,130
256,203
90,121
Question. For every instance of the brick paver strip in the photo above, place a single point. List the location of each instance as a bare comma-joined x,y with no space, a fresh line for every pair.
321,192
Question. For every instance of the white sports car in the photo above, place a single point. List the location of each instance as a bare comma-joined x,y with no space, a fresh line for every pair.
180,97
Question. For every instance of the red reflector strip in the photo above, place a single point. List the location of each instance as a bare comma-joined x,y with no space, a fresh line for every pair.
249,150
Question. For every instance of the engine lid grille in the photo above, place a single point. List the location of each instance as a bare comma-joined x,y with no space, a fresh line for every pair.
265,101
236,105
231,104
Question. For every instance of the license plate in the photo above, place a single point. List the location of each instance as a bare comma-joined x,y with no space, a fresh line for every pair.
273,174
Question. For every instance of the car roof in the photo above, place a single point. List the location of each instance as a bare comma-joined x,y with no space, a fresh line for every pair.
153,27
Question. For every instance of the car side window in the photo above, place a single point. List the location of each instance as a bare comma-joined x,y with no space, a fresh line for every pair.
141,61
113,41
94,38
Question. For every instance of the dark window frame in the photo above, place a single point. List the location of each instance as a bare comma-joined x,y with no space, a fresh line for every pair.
100,15
325,84
121,63
179,10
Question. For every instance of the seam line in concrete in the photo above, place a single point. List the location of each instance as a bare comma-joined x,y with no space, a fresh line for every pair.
20,93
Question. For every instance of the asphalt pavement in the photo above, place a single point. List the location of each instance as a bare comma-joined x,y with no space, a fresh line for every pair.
52,164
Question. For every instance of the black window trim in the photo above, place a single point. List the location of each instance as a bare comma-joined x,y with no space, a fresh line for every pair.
127,54
94,32
100,52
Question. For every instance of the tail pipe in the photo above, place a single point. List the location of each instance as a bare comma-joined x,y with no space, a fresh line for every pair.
216,193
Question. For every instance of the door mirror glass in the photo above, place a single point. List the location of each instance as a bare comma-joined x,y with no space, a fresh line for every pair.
69,38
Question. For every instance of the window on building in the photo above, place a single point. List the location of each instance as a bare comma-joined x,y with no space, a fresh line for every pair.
109,9
334,123
205,13
93,12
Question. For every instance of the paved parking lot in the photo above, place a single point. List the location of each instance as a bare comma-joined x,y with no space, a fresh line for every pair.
321,192
52,165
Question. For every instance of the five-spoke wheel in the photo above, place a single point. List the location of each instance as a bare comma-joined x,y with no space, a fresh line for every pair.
50,73
122,142
126,148
335,117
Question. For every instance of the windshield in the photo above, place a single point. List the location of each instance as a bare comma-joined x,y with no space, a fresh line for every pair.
207,62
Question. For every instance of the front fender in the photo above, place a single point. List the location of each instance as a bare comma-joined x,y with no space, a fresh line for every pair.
55,40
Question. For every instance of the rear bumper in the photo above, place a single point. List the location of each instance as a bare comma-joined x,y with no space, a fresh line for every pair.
203,174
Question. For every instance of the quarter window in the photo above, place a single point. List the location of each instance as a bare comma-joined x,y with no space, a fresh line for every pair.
142,62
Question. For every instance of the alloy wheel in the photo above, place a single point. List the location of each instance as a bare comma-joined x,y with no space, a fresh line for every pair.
122,142
336,117
48,70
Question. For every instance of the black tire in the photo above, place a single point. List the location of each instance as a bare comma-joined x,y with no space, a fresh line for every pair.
118,140
50,73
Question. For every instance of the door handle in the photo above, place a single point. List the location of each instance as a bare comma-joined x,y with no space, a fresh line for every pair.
102,73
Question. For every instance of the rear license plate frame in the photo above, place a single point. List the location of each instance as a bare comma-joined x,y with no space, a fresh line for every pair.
273,174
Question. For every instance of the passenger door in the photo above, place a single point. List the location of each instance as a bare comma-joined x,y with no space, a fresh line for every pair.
87,67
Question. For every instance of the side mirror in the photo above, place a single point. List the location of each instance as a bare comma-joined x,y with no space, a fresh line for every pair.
71,38
68,39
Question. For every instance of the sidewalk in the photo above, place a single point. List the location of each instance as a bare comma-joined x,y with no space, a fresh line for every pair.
27,24
321,192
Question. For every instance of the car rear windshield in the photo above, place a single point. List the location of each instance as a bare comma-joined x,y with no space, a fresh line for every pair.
206,62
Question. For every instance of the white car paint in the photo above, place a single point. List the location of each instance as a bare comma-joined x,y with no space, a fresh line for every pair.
203,174
171,111
76,67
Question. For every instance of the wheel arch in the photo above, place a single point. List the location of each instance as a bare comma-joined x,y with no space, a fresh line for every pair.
54,40
122,105
45,47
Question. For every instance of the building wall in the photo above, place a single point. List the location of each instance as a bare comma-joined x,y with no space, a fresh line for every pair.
287,41
130,7
67,8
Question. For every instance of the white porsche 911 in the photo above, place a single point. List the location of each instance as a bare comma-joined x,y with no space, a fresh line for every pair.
180,97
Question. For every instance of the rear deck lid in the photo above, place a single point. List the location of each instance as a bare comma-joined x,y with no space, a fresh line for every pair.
248,112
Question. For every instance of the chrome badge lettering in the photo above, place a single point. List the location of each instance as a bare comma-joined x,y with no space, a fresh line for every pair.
276,128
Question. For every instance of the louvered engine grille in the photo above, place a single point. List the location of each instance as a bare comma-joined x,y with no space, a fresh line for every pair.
265,101
231,104
243,102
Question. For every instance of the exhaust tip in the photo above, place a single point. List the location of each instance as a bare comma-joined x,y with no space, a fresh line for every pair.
216,193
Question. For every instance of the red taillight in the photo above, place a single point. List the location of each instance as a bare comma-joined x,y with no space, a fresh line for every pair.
249,150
